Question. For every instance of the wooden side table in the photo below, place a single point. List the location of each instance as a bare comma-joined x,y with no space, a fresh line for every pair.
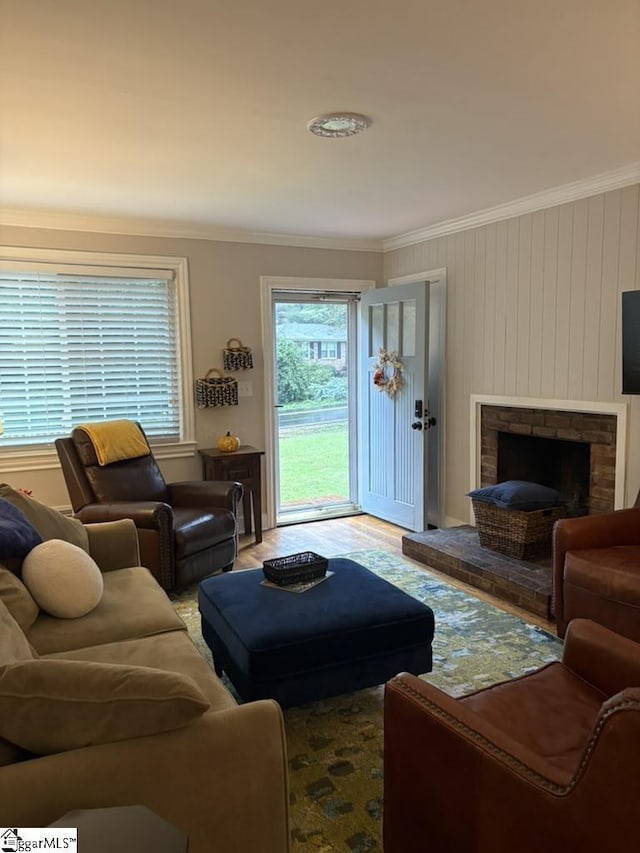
242,466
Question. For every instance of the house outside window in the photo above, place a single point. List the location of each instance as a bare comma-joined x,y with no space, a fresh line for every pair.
319,342
85,337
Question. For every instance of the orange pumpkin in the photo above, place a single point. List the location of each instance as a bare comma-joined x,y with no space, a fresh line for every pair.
228,443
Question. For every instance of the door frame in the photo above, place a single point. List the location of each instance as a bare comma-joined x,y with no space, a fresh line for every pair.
269,284
436,281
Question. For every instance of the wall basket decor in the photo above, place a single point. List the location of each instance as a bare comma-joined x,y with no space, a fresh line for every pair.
215,389
235,356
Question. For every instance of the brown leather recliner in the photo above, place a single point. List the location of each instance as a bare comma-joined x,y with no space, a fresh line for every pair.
596,571
548,761
186,530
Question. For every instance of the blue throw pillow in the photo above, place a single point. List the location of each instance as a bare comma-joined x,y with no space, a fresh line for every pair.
517,494
17,536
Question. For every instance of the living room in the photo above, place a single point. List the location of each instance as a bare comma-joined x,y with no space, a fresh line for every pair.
511,162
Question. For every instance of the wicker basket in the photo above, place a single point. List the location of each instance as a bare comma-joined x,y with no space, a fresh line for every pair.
524,535
297,568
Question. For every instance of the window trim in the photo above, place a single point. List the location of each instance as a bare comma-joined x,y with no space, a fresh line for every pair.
18,459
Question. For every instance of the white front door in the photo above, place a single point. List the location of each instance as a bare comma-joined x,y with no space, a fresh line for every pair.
394,428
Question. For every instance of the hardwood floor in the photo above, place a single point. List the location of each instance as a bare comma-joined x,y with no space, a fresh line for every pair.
355,533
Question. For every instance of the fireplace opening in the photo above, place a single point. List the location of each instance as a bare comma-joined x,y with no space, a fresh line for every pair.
557,463
584,467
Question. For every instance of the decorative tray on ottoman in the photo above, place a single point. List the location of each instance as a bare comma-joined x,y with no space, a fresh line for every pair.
296,568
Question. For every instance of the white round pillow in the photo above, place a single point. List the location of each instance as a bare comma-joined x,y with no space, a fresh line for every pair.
64,580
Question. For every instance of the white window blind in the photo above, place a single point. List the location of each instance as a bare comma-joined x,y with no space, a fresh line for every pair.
81,346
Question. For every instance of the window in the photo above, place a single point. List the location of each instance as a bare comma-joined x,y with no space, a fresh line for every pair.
328,350
81,343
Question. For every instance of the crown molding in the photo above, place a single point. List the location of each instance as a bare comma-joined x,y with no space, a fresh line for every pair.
175,228
140,227
614,180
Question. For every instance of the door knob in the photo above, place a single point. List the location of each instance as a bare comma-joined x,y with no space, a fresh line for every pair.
416,425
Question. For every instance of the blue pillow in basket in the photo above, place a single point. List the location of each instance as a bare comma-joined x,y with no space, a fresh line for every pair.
517,494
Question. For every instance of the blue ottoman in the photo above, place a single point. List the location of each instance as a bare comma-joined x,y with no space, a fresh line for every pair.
351,631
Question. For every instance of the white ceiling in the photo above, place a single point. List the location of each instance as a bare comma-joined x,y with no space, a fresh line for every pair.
196,110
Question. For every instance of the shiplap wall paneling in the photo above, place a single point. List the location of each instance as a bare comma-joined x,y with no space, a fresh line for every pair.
593,296
491,232
479,306
534,383
468,249
534,311
511,342
524,284
577,299
549,291
563,300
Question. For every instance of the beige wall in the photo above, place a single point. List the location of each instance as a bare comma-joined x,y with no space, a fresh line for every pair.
533,310
225,302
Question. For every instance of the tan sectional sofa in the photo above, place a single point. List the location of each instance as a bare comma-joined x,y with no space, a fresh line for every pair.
219,774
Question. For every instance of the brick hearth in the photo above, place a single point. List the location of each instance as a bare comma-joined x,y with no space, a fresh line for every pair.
456,551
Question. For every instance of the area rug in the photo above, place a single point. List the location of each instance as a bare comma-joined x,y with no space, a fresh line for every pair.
335,746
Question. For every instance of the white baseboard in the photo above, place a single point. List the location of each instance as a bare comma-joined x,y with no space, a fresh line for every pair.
454,522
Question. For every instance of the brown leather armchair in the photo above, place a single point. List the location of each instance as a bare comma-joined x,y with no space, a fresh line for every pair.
186,530
596,571
548,761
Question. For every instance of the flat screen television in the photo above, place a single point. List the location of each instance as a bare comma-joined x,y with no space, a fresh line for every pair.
631,342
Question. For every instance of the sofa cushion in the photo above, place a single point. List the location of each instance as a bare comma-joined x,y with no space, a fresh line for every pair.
174,651
14,646
17,599
49,523
133,605
49,706
63,579
17,535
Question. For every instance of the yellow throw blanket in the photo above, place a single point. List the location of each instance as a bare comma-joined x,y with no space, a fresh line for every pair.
114,441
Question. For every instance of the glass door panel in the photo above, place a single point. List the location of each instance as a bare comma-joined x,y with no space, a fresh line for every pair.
313,389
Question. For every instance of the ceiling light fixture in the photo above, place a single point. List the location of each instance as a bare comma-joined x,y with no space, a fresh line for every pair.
337,125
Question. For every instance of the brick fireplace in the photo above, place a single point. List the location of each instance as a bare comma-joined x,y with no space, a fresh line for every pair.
574,452
576,447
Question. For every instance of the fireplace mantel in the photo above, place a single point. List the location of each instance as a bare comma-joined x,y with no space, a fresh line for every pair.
618,410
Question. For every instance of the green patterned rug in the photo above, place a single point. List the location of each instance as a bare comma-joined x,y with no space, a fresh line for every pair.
335,746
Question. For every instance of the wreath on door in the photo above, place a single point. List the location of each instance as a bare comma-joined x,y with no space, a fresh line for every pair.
387,372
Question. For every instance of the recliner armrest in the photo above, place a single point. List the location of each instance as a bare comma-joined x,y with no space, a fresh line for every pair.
212,493
147,515
606,660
